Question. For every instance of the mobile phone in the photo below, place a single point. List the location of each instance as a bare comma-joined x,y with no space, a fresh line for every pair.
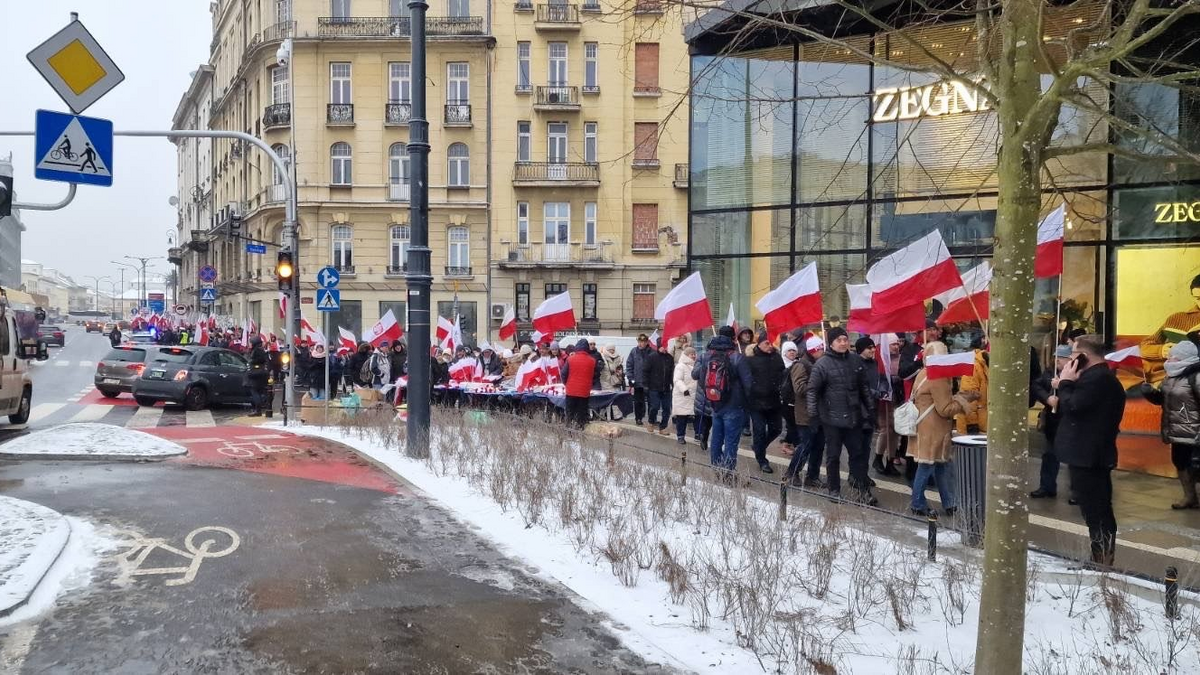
1081,361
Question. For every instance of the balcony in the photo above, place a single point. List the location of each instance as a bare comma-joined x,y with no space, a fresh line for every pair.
274,194
396,270
556,174
556,97
645,163
538,254
457,271
397,114
591,89
397,26
339,114
344,270
175,255
279,31
555,17
681,176
277,115
399,190
458,114
648,7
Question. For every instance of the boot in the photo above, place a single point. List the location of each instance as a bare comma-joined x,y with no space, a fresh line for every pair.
1187,479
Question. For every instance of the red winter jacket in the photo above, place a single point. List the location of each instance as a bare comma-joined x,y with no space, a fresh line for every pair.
580,373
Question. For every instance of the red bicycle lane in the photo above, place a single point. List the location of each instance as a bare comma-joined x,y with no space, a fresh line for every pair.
277,452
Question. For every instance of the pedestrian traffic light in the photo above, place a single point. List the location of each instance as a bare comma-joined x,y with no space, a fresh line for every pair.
6,195
284,271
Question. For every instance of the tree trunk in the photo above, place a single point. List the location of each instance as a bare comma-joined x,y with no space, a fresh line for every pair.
999,643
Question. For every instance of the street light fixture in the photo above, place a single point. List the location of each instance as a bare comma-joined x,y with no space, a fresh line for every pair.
123,266
144,301
96,300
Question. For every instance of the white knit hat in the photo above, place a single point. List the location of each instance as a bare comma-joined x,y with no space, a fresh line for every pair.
788,346
814,343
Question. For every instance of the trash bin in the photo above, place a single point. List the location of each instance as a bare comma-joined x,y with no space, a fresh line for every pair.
971,485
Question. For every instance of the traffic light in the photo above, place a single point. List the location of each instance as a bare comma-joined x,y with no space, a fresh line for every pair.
6,195
284,271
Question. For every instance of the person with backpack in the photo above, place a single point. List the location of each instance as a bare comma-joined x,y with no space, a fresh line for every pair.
633,374
810,440
762,401
724,380
657,369
838,395
1179,396
356,363
936,406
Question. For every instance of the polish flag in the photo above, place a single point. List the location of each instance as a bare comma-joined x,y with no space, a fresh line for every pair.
1049,259
346,339
796,302
550,367
1130,357
913,274
685,309
938,366
508,325
466,369
731,320
385,329
283,305
530,374
541,338
212,322
654,338
202,339
865,321
314,336
958,302
444,330
554,314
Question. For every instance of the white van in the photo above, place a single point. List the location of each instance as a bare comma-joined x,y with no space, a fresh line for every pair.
18,344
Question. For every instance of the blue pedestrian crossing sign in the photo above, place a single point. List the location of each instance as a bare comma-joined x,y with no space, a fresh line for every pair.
329,300
208,295
73,148
328,277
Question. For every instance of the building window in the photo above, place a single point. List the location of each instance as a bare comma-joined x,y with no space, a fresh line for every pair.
459,169
522,223
591,67
283,11
460,8
340,161
558,65
643,302
645,140
645,227
398,172
343,248
589,142
279,85
339,9
398,8
339,83
284,154
459,259
556,142
589,301
524,142
400,82
556,225
458,88
645,68
589,223
553,289
524,81
522,309
398,261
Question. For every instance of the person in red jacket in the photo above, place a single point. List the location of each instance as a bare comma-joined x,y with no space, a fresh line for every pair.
581,376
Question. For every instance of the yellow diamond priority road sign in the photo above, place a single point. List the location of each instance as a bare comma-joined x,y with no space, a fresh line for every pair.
76,66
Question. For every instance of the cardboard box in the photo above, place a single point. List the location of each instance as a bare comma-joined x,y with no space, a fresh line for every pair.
312,411
369,397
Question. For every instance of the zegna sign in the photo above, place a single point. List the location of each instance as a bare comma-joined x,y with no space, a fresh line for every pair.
930,100
1177,212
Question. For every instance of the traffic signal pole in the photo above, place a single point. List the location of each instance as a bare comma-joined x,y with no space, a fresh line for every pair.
418,278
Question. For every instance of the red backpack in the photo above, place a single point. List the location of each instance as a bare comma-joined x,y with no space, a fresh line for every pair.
716,376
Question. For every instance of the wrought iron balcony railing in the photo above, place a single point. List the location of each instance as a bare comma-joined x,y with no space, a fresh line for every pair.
396,270
457,271
458,113
279,31
397,113
277,115
558,13
340,113
537,253
549,172
399,190
396,26
557,95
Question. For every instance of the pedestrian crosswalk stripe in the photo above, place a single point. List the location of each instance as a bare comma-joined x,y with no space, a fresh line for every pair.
62,363
86,364
43,410
144,418
200,418
92,413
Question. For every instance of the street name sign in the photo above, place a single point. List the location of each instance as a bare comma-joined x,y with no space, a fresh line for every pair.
76,66
72,148
256,248
329,300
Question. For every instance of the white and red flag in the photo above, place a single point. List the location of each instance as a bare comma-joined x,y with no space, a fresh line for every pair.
912,275
731,319
445,329
550,367
530,374
202,338
554,314
654,338
387,328
347,339
938,366
1130,357
508,325
864,320
540,338
968,302
466,369
1049,259
283,298
684,309
311,334
796,302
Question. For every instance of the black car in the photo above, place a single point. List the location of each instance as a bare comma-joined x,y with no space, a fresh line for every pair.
52,335
192,376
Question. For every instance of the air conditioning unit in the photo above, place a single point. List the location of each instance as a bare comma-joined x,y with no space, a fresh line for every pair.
498,310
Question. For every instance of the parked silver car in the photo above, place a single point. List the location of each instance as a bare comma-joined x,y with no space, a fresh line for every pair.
119,368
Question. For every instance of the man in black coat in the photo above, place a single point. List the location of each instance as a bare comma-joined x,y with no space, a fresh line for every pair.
633,373
762,401
1090,404
658,370
1041,390
257,377
837,398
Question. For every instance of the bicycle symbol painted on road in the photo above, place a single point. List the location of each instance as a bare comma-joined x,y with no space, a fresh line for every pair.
248,449
195,552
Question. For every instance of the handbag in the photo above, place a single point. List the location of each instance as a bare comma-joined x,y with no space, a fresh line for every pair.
907,417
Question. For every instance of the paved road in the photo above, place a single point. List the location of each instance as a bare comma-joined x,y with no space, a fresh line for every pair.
337,569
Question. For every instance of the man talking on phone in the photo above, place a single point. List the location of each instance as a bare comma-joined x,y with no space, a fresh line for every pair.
1090,402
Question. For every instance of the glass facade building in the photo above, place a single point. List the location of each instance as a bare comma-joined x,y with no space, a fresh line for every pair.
812,151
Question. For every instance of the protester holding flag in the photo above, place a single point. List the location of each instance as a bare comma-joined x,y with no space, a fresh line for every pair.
937,406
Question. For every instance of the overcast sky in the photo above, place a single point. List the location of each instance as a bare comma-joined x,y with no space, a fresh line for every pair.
156,43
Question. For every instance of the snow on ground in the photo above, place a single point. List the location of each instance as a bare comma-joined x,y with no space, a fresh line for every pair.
90,441
31,538
883,607
71,571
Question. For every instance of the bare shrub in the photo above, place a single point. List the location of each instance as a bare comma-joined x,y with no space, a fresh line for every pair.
1122,618
675,574
618,549
953,598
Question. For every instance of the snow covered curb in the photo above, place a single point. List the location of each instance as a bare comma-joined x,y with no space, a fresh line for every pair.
91,441
31,539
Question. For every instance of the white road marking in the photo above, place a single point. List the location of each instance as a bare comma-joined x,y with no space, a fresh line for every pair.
43,410
261,437
91,413
86,364
208,546
144,418
199,440
62,363
200,418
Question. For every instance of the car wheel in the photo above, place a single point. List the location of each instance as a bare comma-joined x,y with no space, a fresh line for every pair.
145,401
108,393
196,398
22,414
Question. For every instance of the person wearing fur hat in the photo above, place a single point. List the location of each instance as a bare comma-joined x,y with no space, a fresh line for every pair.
838,396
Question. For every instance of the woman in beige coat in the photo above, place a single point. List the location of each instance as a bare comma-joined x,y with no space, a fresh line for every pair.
937,406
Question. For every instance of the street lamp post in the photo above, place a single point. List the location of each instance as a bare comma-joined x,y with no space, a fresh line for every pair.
123,266
96,301
418,277
144,300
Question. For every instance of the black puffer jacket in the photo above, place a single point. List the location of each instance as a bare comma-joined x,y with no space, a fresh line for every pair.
871,372
634,366
837,390
658,370
1180,401
766,374
1090,411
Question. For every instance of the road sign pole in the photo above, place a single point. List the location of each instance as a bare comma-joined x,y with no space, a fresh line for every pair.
419,278
325,334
